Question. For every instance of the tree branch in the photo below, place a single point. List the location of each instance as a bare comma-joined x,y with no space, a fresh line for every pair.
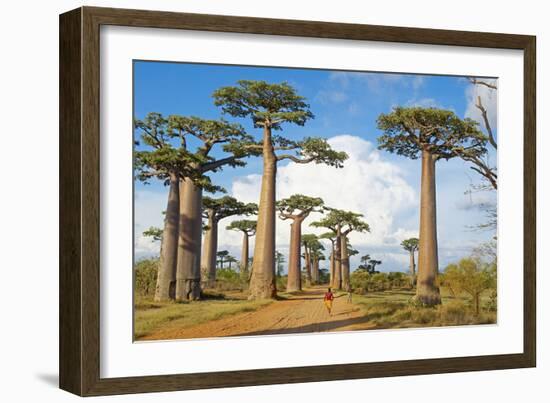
216,164
295,159
475,81
480,106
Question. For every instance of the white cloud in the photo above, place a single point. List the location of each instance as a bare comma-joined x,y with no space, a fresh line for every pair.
148,208
367,184
145,246
489,99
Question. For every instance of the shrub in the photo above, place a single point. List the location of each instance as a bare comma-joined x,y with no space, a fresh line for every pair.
359,280
398,279
229,279
380,282
424,315
473,277
454,313
145,277
281,283
492,304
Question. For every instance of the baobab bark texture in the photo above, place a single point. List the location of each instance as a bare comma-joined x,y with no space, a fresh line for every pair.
427,289
294,282
344,262
208,260
188,273
166,277
337,283
244,253
262,280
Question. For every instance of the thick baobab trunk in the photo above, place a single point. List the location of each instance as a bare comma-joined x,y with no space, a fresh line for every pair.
427,289
344,262
262,281
188,273
412,266
210,248
337,284
166,277
294,282
244,254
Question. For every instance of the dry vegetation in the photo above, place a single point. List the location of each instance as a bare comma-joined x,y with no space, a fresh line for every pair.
151,316
393,309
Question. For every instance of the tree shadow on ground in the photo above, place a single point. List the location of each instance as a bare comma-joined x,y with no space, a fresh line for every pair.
313,327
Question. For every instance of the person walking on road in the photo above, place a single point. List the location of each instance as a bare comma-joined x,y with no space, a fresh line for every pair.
329,297
349,294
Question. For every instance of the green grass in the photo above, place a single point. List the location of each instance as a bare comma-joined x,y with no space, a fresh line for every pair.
150,315
393,309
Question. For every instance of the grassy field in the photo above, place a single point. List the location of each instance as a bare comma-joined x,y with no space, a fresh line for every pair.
150,315
392,309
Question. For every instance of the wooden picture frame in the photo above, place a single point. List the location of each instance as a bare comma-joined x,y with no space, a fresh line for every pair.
80,186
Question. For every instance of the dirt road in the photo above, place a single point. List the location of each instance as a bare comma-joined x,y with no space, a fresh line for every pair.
301,313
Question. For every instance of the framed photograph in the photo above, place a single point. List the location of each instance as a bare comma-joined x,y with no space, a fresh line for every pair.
248,201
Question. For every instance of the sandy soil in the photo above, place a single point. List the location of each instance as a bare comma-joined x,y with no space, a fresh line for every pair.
301,313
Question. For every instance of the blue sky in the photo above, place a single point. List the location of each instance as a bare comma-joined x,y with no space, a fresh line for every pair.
345,105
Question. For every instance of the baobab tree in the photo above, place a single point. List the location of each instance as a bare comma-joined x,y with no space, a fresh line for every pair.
279,261
432,134
248,229
230,259
372,265
296,208
364,261
209,133
156,156
316,254
222,256
215,210
153,232
270,106
331,236
342,223
309,242
411,246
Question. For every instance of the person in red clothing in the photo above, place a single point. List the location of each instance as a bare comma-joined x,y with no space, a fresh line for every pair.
329,297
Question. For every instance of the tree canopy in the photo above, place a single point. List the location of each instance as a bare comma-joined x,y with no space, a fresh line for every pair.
211,132
226,206
408,131
162,157
410,245
153,232
345,221
159,157
269,105
247,226
266,103
298,206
